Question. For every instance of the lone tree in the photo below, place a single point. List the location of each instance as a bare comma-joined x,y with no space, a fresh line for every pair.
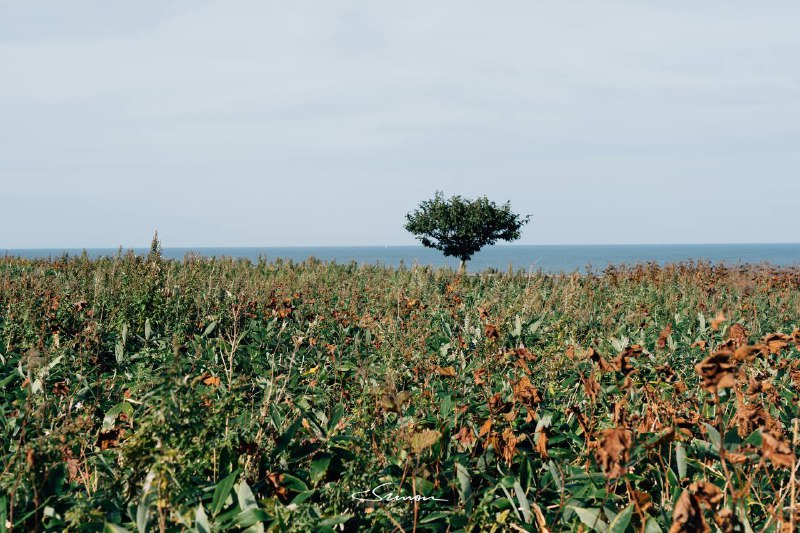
460,227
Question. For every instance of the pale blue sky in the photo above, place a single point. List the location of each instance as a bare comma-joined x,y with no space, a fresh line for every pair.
322,123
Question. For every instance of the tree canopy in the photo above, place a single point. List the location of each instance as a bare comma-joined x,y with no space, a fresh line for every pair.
460,227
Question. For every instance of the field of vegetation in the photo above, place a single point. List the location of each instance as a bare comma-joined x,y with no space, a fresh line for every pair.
145,394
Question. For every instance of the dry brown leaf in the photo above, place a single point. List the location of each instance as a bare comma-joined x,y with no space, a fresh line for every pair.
420,441
394,402
74,470
749,353
736,458
497,404
662,338
751,417
523,365
590,386
668,435
727,521
507,444
110,439
485,428
447,371
60,388
776,342
643,501
707,493
688,516
540,520
583,421
717,321
541,445
779,452
211,381
277,479
523,353
738,335
762,385
613,451
491,332
465,436
411,303
526,393
622,361
718,371
795,336
601,363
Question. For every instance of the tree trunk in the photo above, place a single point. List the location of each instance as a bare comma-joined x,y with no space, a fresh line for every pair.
462,267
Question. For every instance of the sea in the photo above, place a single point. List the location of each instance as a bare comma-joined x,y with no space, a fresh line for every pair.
547,258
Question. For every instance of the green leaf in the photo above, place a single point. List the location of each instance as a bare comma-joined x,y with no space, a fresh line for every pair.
251,517
201,524
287,436
119,352
294,483
302,496
755,439
591,518
652,526
556,475
147,329
143,512
713,436
112,414
6,380
680,458
464,487
621,521
107,528
336,520
524,506
245,497
443,349
433,517
3,514
319,467
517,331
336,415
209,328
446,406
221,493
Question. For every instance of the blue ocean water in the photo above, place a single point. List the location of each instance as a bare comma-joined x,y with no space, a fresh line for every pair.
549,258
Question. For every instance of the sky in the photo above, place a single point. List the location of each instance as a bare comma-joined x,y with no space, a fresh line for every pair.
265,123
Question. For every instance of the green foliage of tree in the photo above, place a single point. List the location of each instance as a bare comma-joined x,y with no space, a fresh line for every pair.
460,227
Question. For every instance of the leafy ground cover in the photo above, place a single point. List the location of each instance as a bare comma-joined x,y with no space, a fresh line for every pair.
145,394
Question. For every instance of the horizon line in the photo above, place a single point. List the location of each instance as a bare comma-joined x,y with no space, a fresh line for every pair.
298,246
